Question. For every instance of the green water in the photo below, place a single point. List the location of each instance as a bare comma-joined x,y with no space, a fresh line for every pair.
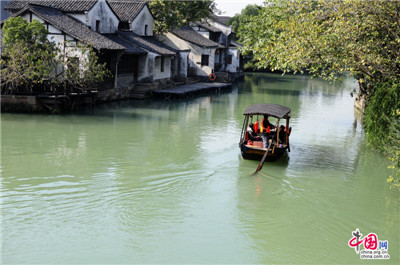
164,182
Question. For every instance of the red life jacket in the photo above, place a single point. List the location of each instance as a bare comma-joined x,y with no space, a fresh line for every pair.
262,129
262,126
255,126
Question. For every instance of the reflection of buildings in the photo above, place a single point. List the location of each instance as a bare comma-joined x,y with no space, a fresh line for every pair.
148,172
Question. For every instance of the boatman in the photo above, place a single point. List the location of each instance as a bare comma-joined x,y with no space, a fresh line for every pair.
265,129
265,124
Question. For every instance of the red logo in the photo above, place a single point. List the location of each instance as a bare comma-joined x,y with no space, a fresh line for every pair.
370,241
373,249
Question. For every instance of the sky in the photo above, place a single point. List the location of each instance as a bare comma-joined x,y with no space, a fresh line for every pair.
233,7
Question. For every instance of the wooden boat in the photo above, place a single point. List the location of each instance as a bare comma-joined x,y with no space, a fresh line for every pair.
256,139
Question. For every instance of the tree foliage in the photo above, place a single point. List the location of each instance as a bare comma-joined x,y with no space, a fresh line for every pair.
28,56
238,19
82,69
329,38
326,38
173,14
30,61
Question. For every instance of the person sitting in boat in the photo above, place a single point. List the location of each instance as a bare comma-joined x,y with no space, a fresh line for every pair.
282,134
265,124
252,135
265,129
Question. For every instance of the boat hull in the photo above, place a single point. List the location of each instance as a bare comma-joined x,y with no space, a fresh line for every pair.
255,153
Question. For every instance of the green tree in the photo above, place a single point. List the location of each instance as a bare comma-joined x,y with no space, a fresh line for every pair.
326,38
329,38
173,14
29,60
238,19
28,56
81,68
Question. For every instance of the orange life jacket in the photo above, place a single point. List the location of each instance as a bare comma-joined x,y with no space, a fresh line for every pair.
262,126
263,129
255,126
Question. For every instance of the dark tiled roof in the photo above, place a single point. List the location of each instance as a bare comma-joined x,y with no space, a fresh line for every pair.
64,5
221,19
190,35
149,43
130,47
126,10
235,44
72,27
208,27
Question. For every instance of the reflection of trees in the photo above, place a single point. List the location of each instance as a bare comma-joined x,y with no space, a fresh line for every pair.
329,179
151,169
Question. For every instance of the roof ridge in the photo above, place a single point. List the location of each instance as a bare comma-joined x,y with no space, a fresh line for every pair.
189,34
148,42
76,29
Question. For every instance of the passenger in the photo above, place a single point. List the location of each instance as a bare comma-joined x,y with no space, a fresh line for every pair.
282,134
265,128
255,127
251,133
265,124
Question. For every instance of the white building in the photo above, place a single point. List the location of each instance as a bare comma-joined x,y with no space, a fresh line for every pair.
121,30
202,50
228,58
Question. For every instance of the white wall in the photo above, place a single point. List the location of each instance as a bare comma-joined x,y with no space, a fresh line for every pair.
225,29
59,38
55,35
142,19
146,67
195,54
202,31
29,15
204,34
182,69
102,12
195,60
234,66
157,67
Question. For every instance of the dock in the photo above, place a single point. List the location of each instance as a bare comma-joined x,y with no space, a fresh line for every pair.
191,90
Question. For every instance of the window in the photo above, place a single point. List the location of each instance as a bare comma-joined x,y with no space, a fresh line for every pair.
97,25
162,64
228,59
123,26
204,59
145,30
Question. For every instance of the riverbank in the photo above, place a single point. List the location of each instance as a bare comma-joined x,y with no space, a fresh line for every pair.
74,101
191,90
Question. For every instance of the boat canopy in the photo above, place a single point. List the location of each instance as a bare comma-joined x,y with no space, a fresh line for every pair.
274,110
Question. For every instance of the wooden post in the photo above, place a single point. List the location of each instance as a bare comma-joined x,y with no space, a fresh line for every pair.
119,54
287,130
277,135
244,129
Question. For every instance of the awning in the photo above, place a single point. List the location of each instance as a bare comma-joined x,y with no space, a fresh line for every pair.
274,110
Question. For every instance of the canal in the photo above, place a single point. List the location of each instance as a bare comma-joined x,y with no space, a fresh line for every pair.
164,182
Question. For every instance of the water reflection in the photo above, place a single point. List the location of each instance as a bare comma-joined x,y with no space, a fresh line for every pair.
164,182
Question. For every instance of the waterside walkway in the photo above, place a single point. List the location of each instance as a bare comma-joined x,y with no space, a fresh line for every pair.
191,90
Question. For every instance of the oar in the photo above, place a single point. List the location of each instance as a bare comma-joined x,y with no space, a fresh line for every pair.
263,159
